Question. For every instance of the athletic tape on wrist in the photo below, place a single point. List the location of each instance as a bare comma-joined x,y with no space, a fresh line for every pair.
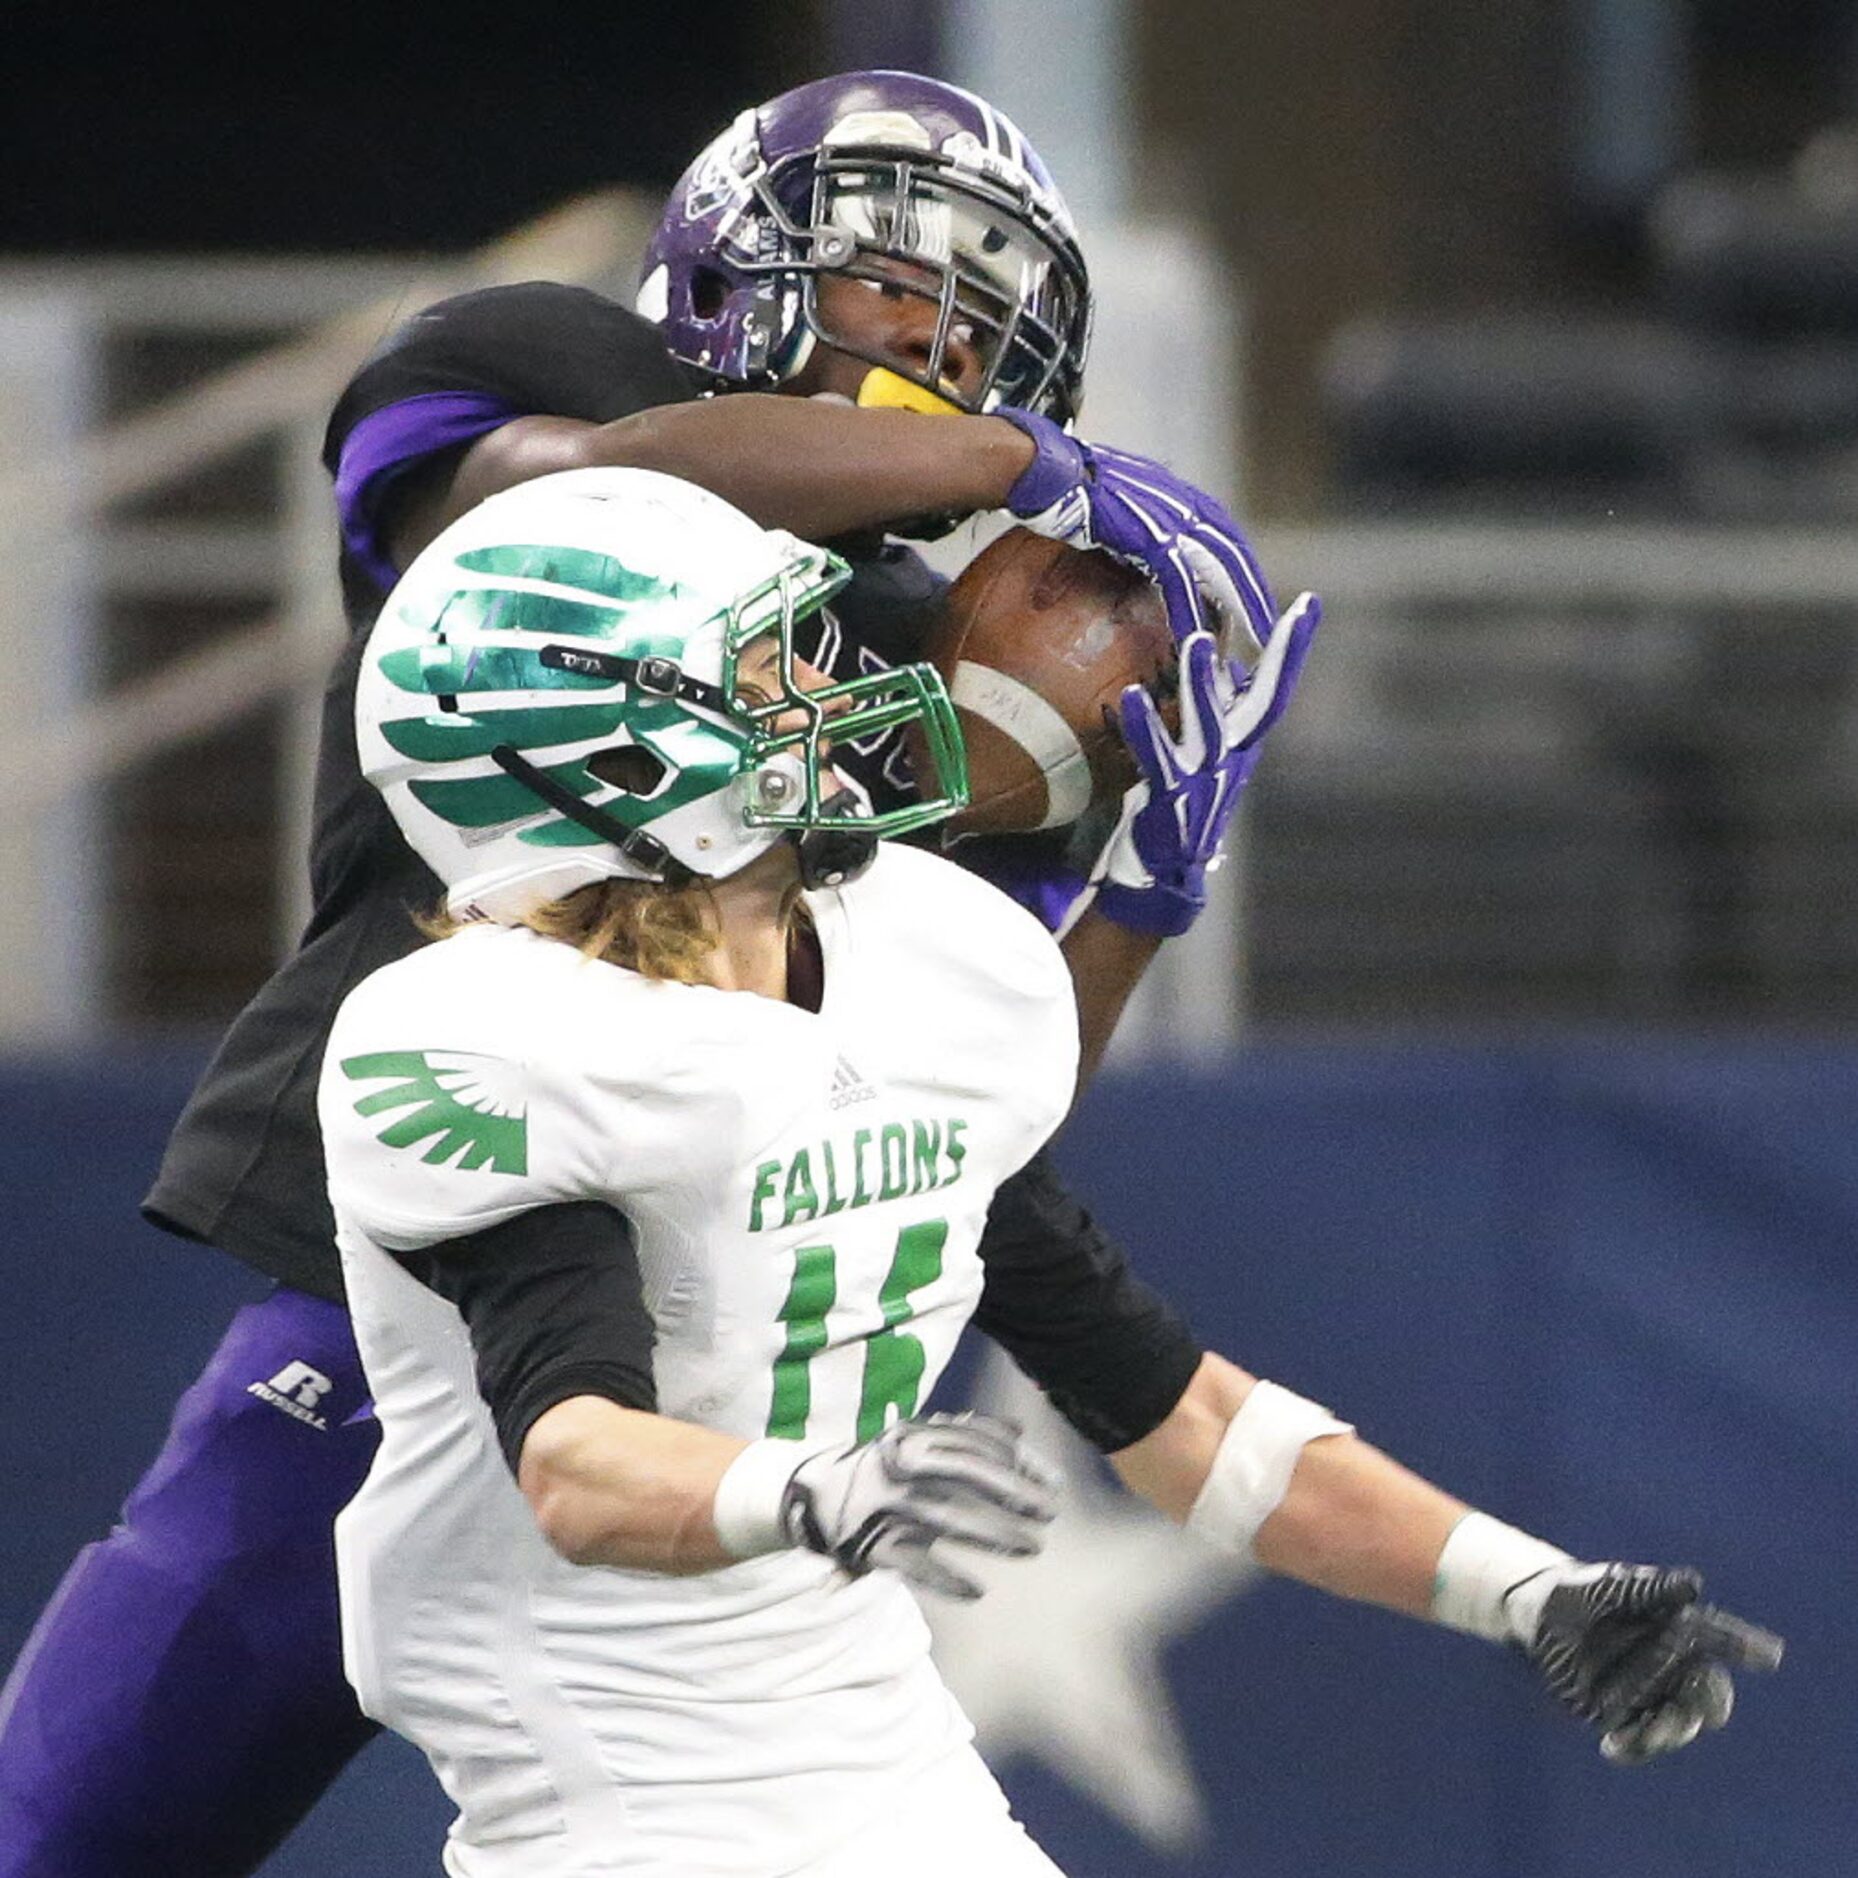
1253,1464
1481,1564
747,1509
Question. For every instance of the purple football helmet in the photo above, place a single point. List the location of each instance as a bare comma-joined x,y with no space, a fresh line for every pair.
885,177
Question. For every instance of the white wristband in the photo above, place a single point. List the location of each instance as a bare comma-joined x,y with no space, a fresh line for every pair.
747,1509
1492,1580
1253,1464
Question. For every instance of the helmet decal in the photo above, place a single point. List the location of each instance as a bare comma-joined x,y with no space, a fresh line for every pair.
716,179
603,574
450,739
896,128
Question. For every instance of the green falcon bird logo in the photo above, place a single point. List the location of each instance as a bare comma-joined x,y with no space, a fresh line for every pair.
472,1103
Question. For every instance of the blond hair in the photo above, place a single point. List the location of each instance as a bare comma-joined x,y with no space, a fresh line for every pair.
657,931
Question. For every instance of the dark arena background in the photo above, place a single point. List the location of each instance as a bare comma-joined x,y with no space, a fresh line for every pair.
1507,1097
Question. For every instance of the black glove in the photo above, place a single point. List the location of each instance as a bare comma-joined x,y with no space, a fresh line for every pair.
1629,1648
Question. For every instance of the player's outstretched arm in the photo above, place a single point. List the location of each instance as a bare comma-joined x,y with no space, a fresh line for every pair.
1253,1468
812,465
1149,879
1107,962
1150,876
616,1486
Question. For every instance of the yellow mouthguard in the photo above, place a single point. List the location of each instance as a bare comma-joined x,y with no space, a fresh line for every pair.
885,390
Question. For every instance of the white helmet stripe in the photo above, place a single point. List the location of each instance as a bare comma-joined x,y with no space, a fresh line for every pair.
1016,144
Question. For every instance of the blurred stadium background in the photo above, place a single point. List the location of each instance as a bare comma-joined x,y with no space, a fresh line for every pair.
1508,1101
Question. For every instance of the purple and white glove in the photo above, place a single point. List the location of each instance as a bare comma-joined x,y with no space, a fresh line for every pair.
1130,506
1150,877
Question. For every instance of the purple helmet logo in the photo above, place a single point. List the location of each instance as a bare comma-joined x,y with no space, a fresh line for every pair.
885,177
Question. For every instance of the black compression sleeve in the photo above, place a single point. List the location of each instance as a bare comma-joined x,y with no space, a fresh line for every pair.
1112,1356
555,1307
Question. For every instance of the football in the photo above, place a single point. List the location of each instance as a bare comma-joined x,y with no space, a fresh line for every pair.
1036,643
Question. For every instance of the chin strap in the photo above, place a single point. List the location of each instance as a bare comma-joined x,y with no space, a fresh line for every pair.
642,850
829,857
652,678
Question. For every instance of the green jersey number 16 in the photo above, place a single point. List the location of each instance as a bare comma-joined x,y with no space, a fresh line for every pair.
893,1362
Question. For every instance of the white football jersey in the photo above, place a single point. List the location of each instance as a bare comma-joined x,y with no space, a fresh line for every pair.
807,1191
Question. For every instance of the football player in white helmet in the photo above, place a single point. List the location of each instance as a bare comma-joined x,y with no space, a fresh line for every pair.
542,715
649,1314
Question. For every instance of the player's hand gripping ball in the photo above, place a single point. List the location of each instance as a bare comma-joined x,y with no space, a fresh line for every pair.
1037,643
1093,496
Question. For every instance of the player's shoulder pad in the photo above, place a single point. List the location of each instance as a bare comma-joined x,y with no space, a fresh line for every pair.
928,904
452,1093
516,313
532,347
990,978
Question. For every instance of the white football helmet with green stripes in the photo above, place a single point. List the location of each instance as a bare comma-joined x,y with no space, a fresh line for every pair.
549,698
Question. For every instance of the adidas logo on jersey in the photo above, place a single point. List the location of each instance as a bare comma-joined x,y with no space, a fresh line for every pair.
848,1087
296,1389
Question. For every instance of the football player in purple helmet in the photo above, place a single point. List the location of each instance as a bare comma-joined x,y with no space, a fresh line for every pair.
904,185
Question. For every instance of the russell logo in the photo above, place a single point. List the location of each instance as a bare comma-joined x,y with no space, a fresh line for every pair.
296,1389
